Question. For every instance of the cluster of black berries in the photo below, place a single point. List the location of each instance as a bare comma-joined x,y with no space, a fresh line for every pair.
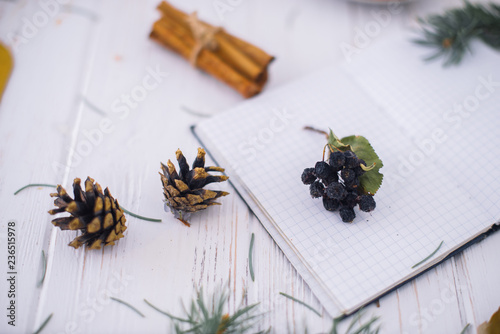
338,183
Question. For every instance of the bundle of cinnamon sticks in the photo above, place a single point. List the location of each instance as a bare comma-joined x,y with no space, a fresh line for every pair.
239,64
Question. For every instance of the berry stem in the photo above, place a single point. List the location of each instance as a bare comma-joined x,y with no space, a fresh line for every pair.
310,128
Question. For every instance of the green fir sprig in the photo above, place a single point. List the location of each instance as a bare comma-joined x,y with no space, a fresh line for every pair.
209,316
357,325
451,33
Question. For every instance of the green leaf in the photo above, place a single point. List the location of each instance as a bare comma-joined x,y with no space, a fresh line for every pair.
371,180
334,141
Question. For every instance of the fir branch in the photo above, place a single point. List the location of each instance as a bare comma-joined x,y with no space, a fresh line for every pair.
363,328
209,316
452,32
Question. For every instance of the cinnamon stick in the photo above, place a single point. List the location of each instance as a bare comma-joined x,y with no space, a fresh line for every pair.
227,49
177,38
236,62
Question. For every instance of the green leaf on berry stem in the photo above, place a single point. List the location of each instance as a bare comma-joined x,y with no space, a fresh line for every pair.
334,141
371,180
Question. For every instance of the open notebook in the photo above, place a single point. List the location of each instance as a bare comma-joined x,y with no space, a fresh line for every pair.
436,131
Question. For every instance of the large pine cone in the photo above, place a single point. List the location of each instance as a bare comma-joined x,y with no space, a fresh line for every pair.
184,191
97,215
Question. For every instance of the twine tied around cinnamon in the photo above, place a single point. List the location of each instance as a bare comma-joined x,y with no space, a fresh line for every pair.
204,36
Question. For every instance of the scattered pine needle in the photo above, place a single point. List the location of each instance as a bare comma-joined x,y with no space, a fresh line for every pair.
128,305
193,112
250,257
301,302
35,185
93,107
428,257
44,261
42,326
465,329
140,217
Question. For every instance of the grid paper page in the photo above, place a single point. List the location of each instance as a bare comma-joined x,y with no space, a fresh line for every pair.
266,149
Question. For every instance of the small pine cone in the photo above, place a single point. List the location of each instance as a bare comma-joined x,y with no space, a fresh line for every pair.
184,191
97,215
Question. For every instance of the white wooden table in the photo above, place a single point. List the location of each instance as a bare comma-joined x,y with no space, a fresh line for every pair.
64,115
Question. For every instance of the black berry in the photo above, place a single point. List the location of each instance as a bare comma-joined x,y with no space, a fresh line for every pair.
308,176
337,160
330,204
347,175
322,170
367,203
333,178
347,214
338,183
336,191
351,160
354,185
351,200
317,189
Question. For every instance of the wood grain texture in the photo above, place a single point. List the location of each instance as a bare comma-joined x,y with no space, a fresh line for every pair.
75,72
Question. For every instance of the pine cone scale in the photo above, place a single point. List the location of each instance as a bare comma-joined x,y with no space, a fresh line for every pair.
183,165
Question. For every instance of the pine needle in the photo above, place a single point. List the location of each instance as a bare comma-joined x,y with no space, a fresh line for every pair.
301,302
140,217
194,112
42,326
35,185
465,329
165,313
92,106
428,257
44,264
128,305
250,258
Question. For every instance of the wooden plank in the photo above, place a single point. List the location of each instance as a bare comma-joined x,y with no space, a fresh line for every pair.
35,121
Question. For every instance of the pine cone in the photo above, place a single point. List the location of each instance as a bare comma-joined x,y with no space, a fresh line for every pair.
184,191
97,215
